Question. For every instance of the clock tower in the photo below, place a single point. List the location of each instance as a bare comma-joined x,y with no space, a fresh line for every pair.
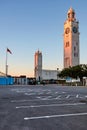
71,40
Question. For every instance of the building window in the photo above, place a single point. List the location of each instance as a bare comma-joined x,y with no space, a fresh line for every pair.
69,15
75,54
67,44
76,43
74,48
73,15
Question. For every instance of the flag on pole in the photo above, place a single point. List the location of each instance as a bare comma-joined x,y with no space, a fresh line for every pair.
8,50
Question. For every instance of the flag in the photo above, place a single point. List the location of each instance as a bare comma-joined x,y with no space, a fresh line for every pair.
8,50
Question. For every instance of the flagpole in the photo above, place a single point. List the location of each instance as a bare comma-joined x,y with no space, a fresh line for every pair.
6,69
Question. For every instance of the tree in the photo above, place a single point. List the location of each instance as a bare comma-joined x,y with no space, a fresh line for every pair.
75,72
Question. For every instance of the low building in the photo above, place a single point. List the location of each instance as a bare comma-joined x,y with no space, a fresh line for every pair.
49,74
23,80
6,80
40,73
20,80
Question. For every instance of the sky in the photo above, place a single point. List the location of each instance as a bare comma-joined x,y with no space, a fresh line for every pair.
29,25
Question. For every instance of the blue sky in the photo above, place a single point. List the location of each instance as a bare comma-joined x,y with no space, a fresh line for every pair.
29,25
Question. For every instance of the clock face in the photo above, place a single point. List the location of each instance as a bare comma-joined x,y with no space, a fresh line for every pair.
67,30
74,29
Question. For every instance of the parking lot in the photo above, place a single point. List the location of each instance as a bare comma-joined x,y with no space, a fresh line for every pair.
49,107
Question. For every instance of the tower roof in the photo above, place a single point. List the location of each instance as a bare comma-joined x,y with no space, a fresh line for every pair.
38,52
71,10
71,14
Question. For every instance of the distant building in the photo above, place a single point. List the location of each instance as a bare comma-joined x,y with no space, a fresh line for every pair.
49,74
42,74
71,40
23,80
38,65
20,80
9,80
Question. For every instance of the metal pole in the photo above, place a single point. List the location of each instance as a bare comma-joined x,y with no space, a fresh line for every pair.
6,69
6,66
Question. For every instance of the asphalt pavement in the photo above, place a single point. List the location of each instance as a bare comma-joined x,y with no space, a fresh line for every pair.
38,107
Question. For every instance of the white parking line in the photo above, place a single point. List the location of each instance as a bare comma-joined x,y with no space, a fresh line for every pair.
55,116
77,96
46,98
58,97
63,92
67,96
50,105
41,99
48,92
56,92
29,94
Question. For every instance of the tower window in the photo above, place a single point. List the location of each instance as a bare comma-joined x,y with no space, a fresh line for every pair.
67,44
75,54
69,15
77,43
73,15
74,48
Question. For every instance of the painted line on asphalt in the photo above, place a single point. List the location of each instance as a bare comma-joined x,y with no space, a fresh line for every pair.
17,101
49,92
30,94
63,92
55,116
50,105
41,99
46,98
67,96
77,96
58,97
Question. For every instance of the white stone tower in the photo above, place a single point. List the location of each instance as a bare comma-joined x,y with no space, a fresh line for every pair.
38,65
71,40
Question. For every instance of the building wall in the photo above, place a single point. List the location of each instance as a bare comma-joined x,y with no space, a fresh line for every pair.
49,74
38,65
6,80
20,80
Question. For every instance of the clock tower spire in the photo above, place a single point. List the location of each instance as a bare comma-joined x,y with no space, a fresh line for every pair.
71,40
71,15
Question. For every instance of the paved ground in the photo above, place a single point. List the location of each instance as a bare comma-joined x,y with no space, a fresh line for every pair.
49,107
